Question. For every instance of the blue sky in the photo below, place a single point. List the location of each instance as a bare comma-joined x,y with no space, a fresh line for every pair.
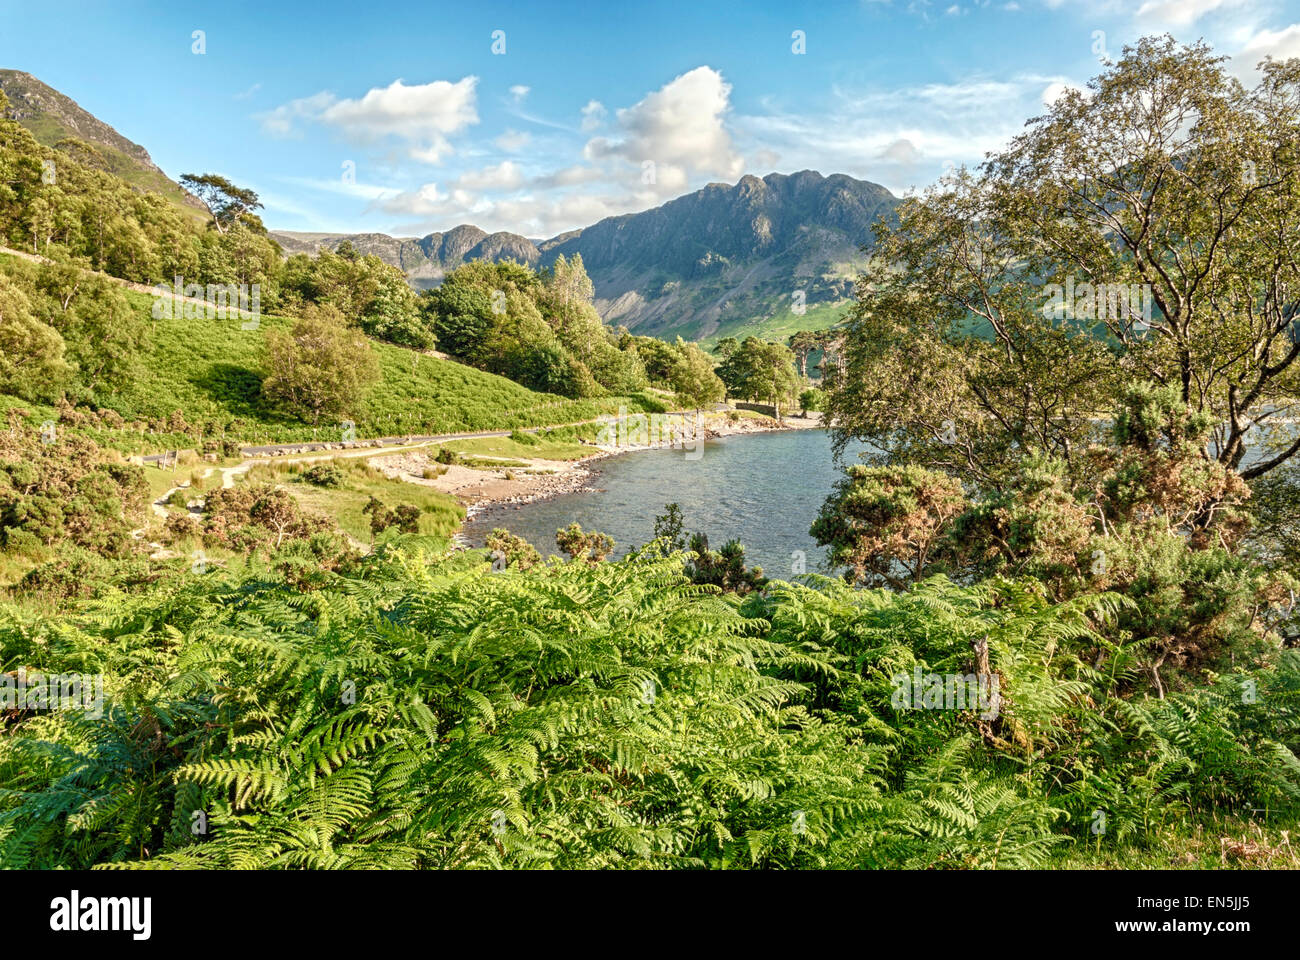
401,118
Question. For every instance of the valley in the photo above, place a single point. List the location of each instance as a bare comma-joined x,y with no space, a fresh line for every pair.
771,523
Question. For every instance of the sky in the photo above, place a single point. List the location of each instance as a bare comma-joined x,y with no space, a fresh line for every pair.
542,117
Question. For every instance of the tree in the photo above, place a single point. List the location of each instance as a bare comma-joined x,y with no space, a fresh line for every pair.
803,342
668,528
759,370
103,334
508,550
887,524
568,288
1135,233
659,359
226,202
693,378
812,400
393,313
321,367
32,362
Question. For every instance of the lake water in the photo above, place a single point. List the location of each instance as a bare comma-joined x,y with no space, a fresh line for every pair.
763,489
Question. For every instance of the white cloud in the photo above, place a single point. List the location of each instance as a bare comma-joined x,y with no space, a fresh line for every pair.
518,92
1181,13
366,191
422,115
283,120
593,115
504,176
1278,44
679,128
512,141
568,177
900,137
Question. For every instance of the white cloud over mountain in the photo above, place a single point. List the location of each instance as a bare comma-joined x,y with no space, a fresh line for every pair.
422,116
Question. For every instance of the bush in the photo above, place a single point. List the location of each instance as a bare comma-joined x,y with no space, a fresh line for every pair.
507,550
257,515
325,475
590,547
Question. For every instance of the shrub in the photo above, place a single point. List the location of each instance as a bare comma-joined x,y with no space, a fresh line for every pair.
590,547
508,550
325,475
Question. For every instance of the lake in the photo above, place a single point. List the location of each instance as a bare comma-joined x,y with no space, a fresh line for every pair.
763,489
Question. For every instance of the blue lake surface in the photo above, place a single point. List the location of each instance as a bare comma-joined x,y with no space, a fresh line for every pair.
763,489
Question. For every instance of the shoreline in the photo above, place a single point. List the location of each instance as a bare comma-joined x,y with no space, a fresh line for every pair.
491,492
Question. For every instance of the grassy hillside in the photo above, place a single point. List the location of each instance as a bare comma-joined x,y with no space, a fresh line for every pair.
210,371
780,322
53,118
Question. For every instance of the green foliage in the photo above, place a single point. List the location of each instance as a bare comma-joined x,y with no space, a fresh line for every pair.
540,330
32,364
226,202
887,524
591,547
366,291
1151,518
66,492
723,568
252,516
405,517
320,368
669,530
412,711
508,550
758,370
325,475
812,400
693,378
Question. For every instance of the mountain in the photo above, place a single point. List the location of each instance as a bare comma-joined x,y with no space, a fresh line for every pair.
724,260
53,118
425,260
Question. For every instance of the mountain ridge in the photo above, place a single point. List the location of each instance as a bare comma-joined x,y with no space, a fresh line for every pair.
711,262
53,117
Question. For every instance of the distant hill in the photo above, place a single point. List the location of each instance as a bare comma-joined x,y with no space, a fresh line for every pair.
53,118
724,260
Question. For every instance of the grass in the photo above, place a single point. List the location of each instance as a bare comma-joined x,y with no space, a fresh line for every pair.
1228,844
211,371
542,449
440,514
780,324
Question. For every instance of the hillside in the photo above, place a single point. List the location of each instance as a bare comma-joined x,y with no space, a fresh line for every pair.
725,260
53,118
210,371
